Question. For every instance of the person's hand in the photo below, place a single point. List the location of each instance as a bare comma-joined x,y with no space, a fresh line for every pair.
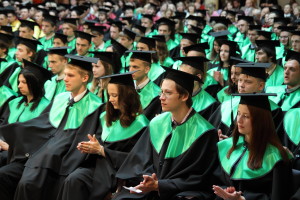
218,76
150,183
221,136
228,193
3,146
92,147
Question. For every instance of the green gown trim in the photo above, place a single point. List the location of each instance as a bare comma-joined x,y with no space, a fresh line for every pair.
248,53
117,132
78,112
155,71
224,71
222,95
171,44
5,94
13,79
276,78
291,127
4,65
23,113
47,43
202,100
12,52
148,93
168,62
177,64
183,136
72,44
242,171
209,80
53,88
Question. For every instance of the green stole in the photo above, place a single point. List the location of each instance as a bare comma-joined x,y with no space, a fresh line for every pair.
77,113
202,100
4,65
177,64
147,93
72,44
168,62
209,80
183,136
12,52
224,71
13,79
291,128
171,44
5,94
242,171
248,53
276,78
23,113
47,43
222,95
116,132
155,71
53,88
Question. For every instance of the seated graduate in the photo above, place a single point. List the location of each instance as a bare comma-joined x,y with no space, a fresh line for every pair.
105,66
203,103
251,80
51,152
289,93
57,63
254,164
177,152
140,62
6,42
122,125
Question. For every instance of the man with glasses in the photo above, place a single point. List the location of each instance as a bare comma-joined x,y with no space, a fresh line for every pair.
176,154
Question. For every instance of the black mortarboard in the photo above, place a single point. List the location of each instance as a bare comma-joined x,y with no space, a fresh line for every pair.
140,28
200,47
98,29
71,21
196,62
12,11
259,100
103,9
255,27
295,32
104,56
222,20
236,60
220,34
159,38
266,34
287,28
148,16
257,70
32,44
271,44
129,19
148,41
82,61
129,33
62,37
283,20
183,79
29,24
142,55
196,18
193,37
197,29
117,23
230,12
278,12
167,21
179,15
292,55
62,51
50,18
84,35
6,37
203,12
3,12
41,73
118,47
26,6
248,19
89,23
122,79
128,7
79,9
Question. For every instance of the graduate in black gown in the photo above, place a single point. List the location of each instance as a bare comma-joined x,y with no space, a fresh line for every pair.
254,164
177,152
50,153
121,126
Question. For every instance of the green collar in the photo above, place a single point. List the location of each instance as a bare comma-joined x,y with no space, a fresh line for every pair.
242,171
291,128
202,100
155,71
78,112
117,133
13,80
5,94
183,136
276,77
148,93
53,88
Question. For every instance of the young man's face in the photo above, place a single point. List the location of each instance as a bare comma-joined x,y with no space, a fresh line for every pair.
142,47
243,26
67,30
3,20
164,30
82,46
250,84
296,42
24,13
22,53
47,28
11,18
58,43
125,41
114,32
292,73
262,57
136,64
56,63
147,23
26,32
73,79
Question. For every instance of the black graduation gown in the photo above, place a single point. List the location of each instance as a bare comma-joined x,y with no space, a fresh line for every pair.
189,171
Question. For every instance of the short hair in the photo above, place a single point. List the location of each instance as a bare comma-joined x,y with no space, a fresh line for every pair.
269,52
81,71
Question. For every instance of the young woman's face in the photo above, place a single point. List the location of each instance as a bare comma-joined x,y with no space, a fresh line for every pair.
224,53
235,73
23,87
98,69
244,120
216,47
113,94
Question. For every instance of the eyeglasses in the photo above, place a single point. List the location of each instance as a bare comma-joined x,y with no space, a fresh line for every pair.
166,94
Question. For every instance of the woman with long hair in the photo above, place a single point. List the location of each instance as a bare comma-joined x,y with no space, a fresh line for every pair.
162,51
254,164
121,126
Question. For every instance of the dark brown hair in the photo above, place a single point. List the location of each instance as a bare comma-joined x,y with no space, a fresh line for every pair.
263,133
129,106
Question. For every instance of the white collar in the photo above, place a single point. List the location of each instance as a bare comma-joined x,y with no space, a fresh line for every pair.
61,77
143,84
79,96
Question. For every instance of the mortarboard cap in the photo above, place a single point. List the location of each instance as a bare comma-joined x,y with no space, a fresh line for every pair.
3,12
220,34
32,44
103,9
50,18
287,28
222,20
62,51
87,36
98,29
148,16
29,24
82,61
278,12
255,27
129,19
129,33
41,73
193,37
203,12
148,41
119,48
292,55
236,60
181,78
197,29
6,37
271,44
90,23
259,100
122,79
142,55
266,34
159,38
257,70
200,47
295,33
128,7
230,12
196,62
179,15
104,56
248,19
140,28
62,37
117,23
167,21
283,20
71,21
